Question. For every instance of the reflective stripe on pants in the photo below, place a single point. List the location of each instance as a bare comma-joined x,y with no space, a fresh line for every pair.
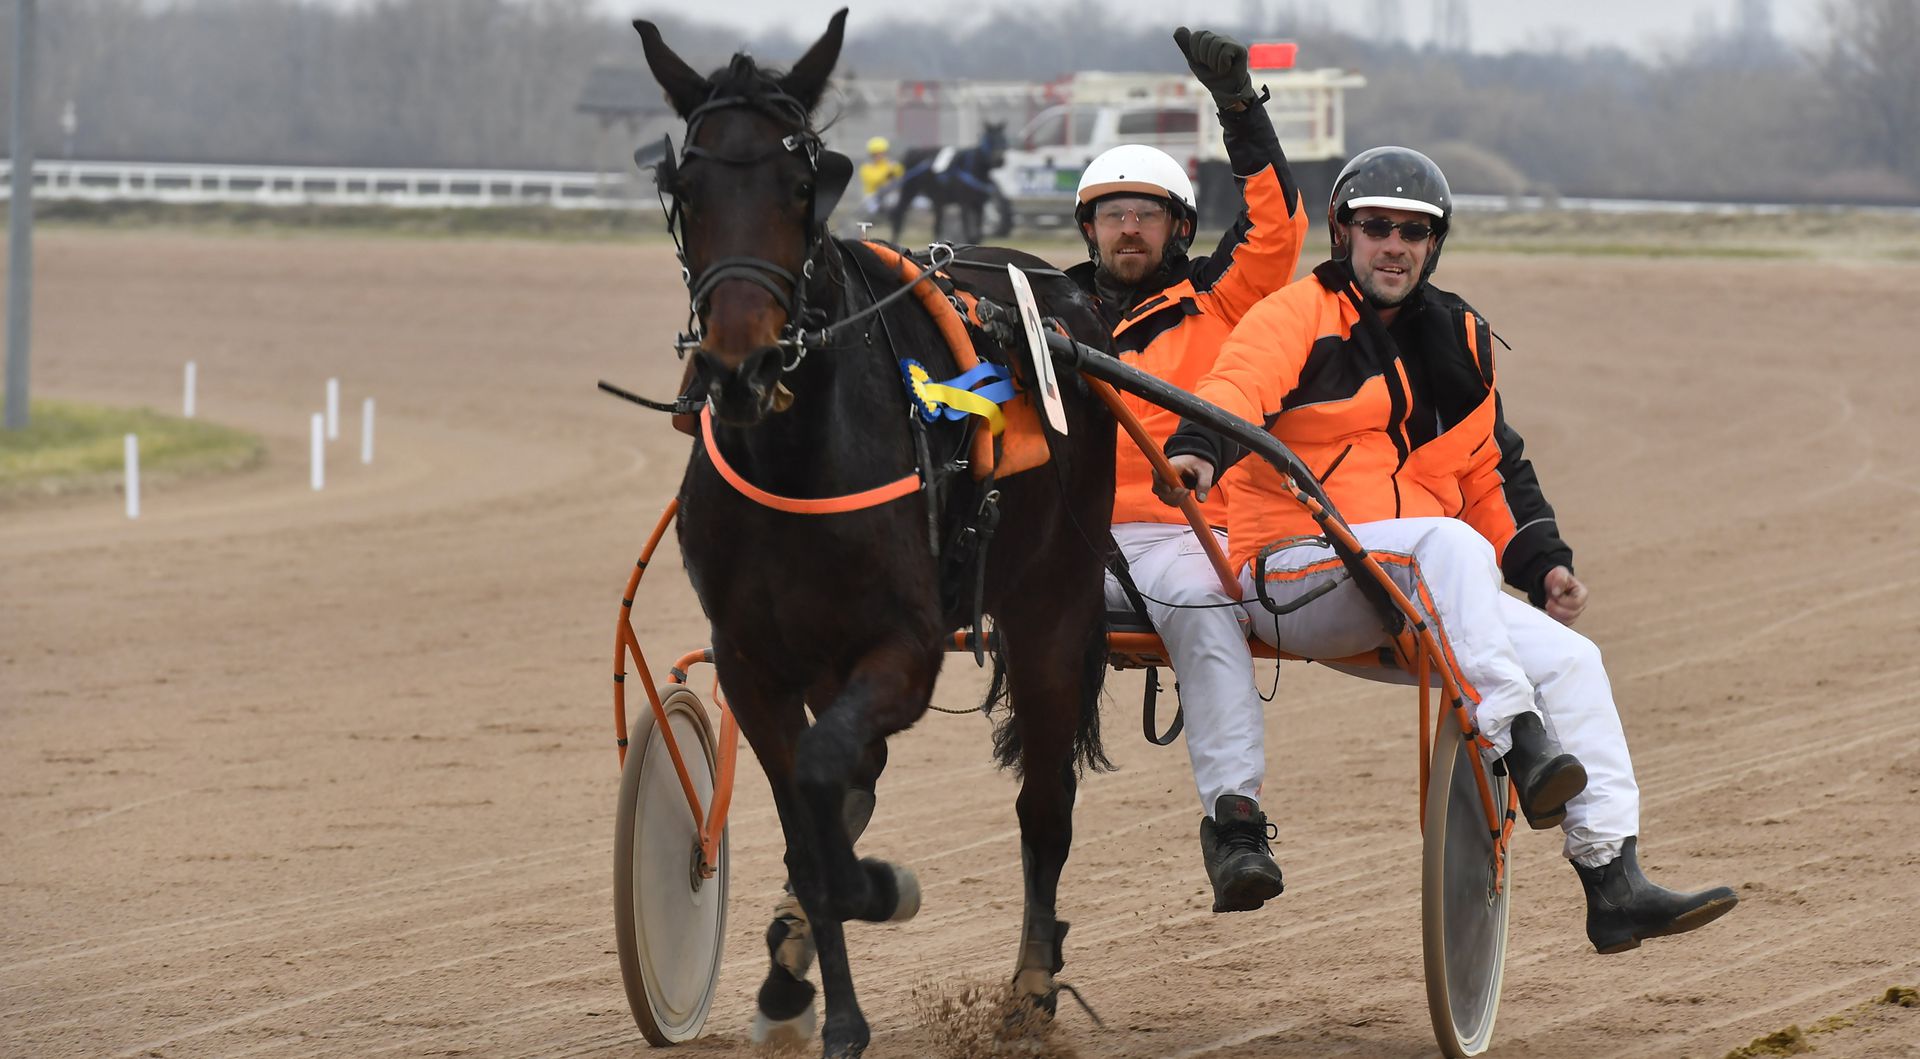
1225,732
1509,657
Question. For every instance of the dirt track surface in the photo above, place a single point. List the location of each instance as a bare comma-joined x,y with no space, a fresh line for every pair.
333,774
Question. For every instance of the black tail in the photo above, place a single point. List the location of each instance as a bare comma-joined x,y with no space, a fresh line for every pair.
1089,752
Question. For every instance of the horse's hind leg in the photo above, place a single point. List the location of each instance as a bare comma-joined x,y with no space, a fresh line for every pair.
1054,663
901,204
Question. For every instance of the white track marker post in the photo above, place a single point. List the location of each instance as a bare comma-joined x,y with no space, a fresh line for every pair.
366,431
133,476
318,457
193,378
333,409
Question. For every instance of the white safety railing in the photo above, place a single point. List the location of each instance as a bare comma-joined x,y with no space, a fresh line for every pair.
324,185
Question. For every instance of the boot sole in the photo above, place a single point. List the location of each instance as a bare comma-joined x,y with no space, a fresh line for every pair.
1549,805
1682,923
1247,895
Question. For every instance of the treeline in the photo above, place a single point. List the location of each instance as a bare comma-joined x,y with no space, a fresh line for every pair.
494,83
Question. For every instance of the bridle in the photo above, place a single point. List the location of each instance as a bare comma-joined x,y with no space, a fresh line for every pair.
828,173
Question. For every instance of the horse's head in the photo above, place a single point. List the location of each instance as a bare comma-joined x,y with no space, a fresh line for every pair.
751,194
993,141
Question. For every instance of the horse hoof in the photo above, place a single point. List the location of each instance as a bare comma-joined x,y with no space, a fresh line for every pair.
785,1033
907,885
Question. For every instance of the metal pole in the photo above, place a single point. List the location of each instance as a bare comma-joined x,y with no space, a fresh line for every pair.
20,219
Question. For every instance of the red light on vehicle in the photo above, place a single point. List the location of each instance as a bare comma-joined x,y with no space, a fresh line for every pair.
1273,55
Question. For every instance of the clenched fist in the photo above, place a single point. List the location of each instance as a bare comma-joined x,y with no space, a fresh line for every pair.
1220,62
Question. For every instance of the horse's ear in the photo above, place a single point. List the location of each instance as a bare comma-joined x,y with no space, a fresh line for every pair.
808,78
685,89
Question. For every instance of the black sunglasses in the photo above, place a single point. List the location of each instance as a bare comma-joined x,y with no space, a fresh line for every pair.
1381,228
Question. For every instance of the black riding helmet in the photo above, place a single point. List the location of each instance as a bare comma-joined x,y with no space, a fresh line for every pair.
1398,178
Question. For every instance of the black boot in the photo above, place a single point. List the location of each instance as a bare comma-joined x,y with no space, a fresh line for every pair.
1624,908
1544,778
1239,862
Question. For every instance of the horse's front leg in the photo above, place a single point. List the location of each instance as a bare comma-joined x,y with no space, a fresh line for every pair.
784,1015
1054,659
887,690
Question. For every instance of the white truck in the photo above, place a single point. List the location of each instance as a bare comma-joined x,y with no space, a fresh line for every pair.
1174,113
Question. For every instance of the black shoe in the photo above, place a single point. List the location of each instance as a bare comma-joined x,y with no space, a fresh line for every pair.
1624,908
1239,862
1545,779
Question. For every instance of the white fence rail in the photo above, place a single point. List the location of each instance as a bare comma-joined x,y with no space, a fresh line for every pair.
323,186
337,186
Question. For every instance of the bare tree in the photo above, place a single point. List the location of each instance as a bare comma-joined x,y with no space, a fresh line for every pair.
1872,67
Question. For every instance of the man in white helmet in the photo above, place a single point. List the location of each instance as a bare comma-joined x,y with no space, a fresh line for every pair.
1170,313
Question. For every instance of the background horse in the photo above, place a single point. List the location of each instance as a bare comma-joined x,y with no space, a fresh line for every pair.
950,176
849,615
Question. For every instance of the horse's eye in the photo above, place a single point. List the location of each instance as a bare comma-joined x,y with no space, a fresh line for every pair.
803,190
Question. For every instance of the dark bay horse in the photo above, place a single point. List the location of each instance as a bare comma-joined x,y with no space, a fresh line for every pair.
847,616
959,177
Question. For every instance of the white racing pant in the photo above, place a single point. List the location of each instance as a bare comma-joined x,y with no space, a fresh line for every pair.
1208,647
1509,657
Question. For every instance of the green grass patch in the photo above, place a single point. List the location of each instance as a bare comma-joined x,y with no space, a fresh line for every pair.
73,448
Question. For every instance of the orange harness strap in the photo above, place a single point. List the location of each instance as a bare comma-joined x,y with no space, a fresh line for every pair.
831,505
952,328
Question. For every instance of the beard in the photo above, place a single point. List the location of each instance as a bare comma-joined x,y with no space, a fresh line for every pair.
1128,270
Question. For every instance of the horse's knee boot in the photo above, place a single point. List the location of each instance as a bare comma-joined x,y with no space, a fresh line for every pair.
790,938
783,1014
856,812
1042,955
895,892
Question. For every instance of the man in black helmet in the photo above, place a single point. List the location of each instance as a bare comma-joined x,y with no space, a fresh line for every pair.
1170,312
1384,386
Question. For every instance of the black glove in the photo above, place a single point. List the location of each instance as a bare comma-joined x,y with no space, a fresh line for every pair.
1220,62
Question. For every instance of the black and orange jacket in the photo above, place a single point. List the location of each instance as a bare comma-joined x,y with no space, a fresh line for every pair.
1396,424
1175,324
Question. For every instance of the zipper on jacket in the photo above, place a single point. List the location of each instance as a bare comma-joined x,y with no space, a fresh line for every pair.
1327,475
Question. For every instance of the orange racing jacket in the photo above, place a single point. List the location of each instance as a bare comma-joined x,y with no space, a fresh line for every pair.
1396,423
1173,326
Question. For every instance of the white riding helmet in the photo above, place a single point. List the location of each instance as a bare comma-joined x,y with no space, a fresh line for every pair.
1136,168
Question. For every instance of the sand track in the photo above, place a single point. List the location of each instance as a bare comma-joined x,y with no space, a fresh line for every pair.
290,774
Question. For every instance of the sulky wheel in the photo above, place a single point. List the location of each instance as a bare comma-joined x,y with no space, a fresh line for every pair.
671,922
1463,917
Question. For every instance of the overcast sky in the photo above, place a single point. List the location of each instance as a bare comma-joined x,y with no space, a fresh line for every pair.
1497,25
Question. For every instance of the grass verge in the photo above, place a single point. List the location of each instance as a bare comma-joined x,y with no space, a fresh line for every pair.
76,448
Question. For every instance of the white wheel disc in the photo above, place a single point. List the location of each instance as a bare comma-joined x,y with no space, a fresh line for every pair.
1463,918
671,923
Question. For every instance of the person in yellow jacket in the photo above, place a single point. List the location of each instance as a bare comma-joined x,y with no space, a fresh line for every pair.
1384,386
1170,312
877,172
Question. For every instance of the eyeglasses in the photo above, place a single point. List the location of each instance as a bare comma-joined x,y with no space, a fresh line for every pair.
1381,228
1139,211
